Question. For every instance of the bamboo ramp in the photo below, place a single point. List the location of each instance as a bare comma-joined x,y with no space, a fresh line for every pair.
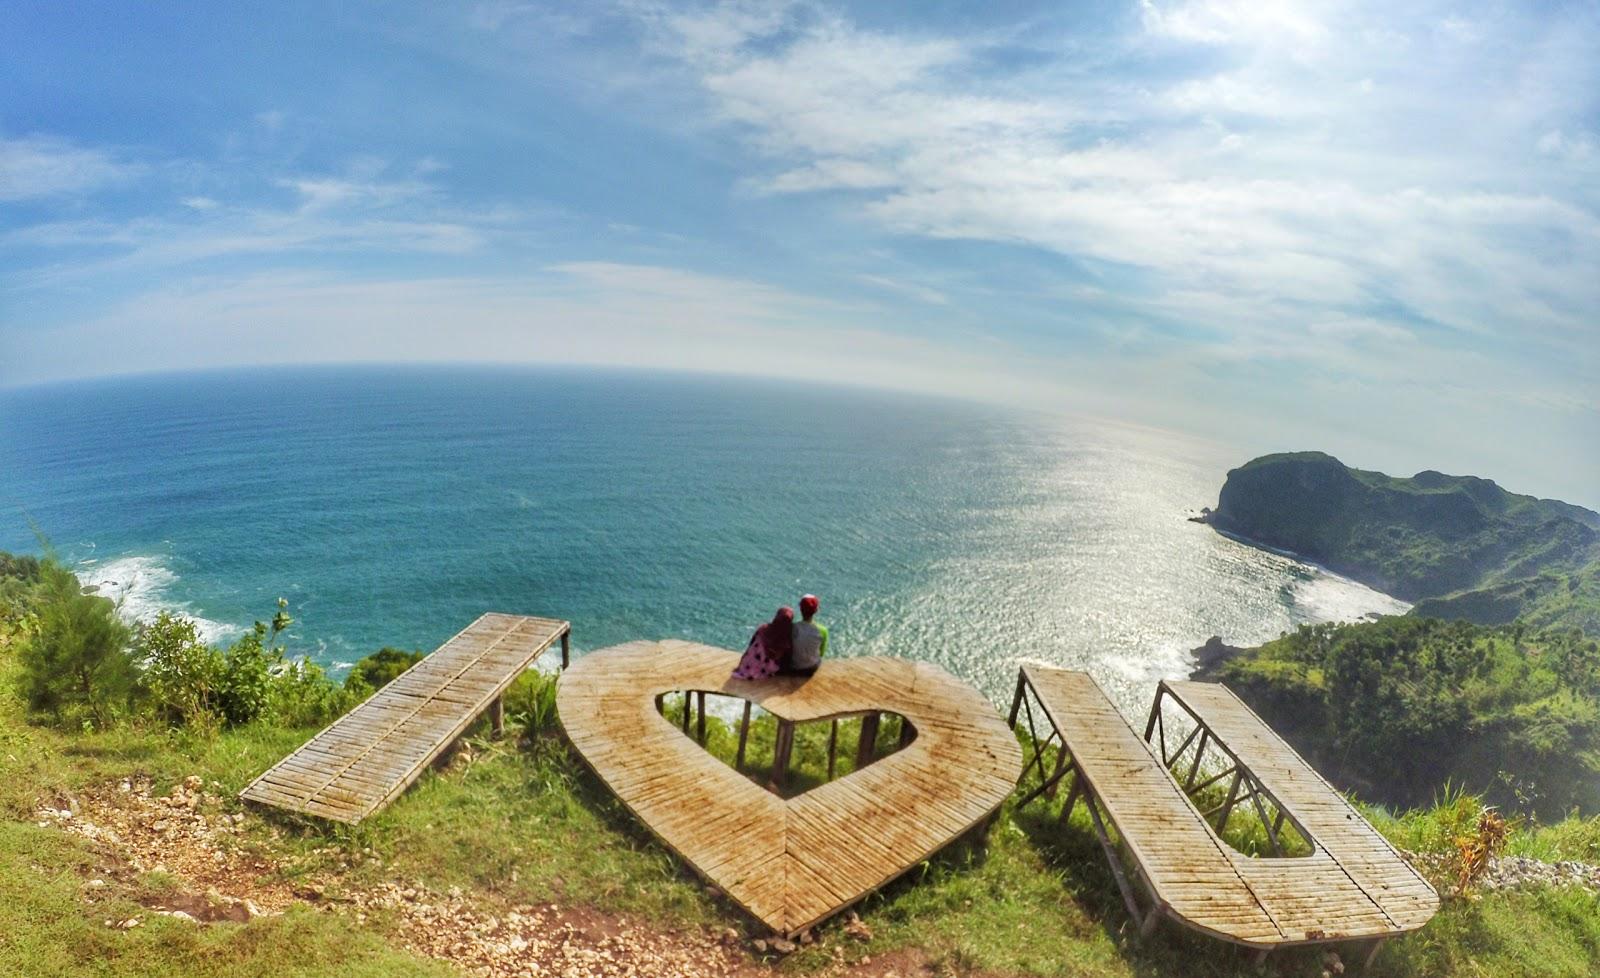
366,758
791,863
1352,886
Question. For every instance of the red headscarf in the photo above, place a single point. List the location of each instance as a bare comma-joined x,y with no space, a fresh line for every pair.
779,636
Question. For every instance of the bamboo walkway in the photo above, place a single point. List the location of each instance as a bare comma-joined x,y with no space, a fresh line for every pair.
366,758
791,863
1352,886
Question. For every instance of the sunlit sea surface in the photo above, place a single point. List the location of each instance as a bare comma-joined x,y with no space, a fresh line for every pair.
391,506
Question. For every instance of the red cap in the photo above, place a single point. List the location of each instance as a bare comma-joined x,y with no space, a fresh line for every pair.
808,605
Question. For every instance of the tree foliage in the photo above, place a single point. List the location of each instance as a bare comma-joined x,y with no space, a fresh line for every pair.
76,663
375,671
1399,706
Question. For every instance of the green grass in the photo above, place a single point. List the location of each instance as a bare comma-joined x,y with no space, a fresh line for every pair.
525,822
47,929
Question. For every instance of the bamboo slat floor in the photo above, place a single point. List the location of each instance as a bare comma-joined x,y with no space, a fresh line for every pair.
1352,886
791,863
366,758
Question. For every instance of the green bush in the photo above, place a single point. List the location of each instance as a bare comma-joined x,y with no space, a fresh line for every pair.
379,669
76,663
300,694
1402,705
184,677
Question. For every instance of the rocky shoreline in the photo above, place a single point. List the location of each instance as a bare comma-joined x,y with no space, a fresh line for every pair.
1212,656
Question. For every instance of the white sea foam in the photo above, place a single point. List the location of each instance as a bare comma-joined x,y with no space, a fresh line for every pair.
1326,596
140,585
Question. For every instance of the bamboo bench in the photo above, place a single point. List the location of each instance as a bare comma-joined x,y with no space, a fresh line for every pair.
1353,886
366,758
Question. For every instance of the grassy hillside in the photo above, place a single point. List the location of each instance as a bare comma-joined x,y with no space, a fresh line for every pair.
1458,545
1399,707
99,827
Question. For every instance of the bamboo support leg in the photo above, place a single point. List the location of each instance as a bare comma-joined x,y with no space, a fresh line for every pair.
867,748
700,724
833,746
1151,919
687,709
497,716
1227,806
566,648
1194,769
1272,831
744,735
1061,767
907,731
1168,759
1016,701
1072,797
1113,861
781,750
1372,955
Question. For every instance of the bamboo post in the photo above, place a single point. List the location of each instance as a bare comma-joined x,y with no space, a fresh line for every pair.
907,731
497,716
1199,752
744,735
1061,766
833,746
781,749
1113,861
566,648
1072,796
1227,806
686,710
700,724
867,747
1372,955
1016,701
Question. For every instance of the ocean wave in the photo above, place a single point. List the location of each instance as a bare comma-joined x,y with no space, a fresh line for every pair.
140,586
1326,596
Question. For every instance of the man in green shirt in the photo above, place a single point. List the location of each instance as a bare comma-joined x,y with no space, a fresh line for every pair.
810,640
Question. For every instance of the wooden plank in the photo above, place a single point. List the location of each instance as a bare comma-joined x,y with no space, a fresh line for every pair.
835,843
1337,892
363,760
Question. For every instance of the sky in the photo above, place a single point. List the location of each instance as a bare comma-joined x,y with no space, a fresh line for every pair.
1368,228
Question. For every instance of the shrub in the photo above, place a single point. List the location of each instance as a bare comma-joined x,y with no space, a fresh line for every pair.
379,669
184,677
300,694
77,659
247,677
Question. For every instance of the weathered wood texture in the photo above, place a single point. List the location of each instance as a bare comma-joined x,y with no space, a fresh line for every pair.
791,863
1353,885
366,758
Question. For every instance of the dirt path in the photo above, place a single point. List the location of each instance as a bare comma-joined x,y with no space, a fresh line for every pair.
226,874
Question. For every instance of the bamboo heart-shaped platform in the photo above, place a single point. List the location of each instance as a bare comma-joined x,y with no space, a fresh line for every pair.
791,863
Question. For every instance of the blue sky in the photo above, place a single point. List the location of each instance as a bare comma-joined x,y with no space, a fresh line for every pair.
1359,228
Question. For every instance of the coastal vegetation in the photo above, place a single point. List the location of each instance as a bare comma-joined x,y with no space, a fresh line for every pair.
1456,546
1397,707
518,826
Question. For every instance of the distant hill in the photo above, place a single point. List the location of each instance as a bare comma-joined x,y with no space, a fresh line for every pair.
1456,546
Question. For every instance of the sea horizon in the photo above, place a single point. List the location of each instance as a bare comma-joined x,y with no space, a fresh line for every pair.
391,504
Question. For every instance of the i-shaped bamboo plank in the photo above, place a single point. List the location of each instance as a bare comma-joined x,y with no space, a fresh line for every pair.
790,863
366,758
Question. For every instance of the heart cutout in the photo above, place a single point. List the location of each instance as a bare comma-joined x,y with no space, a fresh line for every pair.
791,863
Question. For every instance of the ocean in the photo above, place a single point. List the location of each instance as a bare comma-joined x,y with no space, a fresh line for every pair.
392,505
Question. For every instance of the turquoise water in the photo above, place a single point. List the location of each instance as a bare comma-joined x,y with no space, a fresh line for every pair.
391,506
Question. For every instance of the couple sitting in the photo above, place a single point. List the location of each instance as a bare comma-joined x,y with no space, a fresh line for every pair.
783,645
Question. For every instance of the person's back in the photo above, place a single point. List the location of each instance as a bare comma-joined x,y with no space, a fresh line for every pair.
810,639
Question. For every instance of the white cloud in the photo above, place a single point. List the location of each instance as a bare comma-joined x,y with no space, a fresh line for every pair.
42,166
1316,203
